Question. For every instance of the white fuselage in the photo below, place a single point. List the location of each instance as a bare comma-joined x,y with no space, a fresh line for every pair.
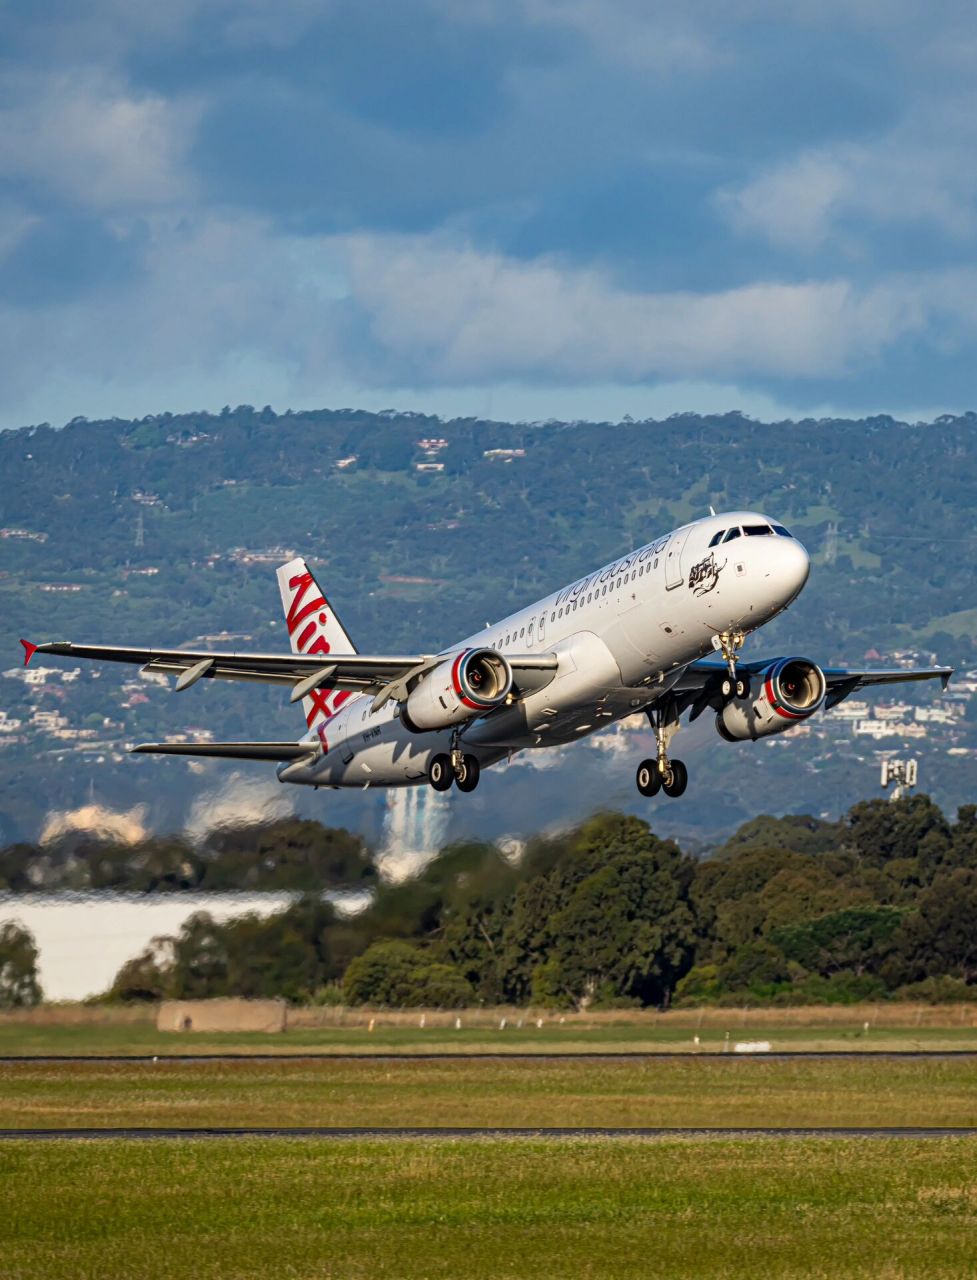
623,636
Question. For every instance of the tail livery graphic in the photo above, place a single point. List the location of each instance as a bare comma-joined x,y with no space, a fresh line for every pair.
313,628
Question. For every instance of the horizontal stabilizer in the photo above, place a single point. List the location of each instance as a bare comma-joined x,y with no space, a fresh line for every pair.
231,750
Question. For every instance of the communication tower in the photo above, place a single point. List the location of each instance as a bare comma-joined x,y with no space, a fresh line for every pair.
900,775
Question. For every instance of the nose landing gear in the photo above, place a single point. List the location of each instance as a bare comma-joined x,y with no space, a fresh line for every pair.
663,774
735,685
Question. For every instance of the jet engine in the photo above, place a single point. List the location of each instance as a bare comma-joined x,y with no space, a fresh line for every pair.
467,685
791,690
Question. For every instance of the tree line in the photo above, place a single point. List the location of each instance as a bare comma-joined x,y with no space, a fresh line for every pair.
881,903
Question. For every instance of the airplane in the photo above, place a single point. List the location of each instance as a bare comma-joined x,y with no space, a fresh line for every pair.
658,631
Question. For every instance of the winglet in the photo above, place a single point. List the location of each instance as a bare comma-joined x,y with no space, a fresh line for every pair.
29,651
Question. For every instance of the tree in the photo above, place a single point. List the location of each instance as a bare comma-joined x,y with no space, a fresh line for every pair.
19,987
939,937
755,967
913,827
200,958
401,976
857,939
145,977
627,930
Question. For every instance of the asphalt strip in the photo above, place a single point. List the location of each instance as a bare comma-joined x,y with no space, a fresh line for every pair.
503,1056
453,1134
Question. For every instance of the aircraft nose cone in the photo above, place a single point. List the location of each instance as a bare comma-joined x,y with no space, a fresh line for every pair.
794,567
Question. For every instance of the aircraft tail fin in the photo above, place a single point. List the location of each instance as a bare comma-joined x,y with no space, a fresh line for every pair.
313,628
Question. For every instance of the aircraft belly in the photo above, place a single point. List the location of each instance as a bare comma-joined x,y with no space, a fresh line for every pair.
382,754
587,675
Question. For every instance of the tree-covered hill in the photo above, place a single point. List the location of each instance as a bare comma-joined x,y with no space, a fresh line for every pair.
167,530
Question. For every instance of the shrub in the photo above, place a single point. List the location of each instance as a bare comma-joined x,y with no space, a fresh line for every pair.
401,976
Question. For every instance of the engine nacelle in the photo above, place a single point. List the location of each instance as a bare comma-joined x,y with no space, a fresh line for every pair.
467,685
792,690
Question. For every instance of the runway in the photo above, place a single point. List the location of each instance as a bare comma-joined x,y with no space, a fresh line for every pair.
490,1133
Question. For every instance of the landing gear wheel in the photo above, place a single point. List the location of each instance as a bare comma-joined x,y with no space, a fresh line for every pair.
676,779
648,778
440,774
734,689
468,775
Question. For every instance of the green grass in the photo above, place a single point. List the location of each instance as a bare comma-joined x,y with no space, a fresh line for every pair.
629,1032
779,1209
674,1092
961,623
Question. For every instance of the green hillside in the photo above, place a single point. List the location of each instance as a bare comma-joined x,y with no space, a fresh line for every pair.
168,529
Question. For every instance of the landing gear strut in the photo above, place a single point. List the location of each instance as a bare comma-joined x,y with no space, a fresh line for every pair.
735,685
663,774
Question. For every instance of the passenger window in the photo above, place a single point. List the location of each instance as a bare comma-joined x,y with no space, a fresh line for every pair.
733,533
553,616
784,533
757,530
522,632
716,538
656,562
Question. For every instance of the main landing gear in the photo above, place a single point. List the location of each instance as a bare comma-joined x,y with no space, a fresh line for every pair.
734,685
456,767
663,774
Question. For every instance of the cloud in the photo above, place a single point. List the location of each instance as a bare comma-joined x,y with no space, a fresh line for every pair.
230,307
462,314
217,200
918,173
88,138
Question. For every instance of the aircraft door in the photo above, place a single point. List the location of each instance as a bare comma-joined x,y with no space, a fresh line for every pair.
529,634
541,631
674,576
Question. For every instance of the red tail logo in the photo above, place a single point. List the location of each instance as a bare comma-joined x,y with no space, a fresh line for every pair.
324,702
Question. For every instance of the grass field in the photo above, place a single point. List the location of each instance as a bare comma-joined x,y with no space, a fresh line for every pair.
108,1030
672,1092
885,1210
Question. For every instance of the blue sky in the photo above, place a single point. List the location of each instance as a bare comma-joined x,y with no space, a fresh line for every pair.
524,208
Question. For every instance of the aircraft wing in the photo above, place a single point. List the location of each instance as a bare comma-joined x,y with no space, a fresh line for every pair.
842,682
699,677
356,672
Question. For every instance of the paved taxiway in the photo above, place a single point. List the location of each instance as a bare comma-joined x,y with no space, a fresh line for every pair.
497,1056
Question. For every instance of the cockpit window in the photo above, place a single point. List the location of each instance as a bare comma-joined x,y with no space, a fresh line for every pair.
716,538
733,533
784,533
757,530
